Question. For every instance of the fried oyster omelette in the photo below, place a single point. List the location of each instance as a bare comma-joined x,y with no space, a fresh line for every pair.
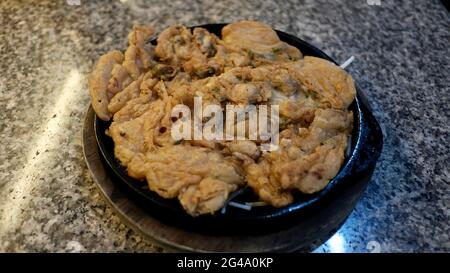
248,64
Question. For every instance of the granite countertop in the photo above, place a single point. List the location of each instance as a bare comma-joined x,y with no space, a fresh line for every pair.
48,201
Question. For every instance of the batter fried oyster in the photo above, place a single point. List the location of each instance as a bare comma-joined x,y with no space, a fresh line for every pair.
137,90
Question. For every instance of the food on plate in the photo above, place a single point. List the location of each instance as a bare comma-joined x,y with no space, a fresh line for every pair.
248,65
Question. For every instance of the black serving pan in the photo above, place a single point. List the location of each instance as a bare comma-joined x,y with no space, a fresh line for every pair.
316,215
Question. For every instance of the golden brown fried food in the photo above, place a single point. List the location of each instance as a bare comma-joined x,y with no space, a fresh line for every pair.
192,51
120,99
208,196
327,81
135,136
119,79
248,65
174,45
312,172
98,82
309,157
138,56
171,169
114,72
260,40
267,187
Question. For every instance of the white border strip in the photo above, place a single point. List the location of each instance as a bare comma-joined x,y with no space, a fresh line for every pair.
348,62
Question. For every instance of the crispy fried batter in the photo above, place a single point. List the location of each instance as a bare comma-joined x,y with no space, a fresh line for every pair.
192,171
207,196
269,189
132,91
119,79
114,72
249,65
98,82
193,51
310,157
138,56
328,82
260,40
311,172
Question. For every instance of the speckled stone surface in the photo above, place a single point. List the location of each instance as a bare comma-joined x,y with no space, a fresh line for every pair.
48,201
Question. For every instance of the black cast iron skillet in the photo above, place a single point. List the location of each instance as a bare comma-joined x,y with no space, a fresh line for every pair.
314,214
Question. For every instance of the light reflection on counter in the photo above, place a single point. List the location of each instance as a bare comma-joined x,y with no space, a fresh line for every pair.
53,121
336,244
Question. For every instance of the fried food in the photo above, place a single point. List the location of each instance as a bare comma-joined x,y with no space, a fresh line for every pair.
138,56
247,65
311,157
193,51
98,82
207,196
260,41
327,81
